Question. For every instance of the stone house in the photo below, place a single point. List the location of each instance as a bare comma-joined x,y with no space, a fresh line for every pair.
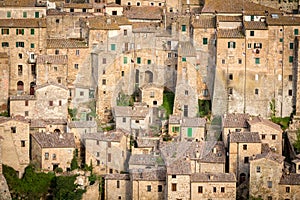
23,39
52,150
146,145
108,152
113,9
265,173
242,147
21,10
48,125
148,183
193,129
15,144
118,186
4,82
122,116
152,94
174,125
289,186
213,186
22,105
78,7
145,161
270,133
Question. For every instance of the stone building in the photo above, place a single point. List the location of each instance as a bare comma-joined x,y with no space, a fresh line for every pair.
193,129
270,133
174,125
108,152
50,151
213,186
15,134
146,145
145,161
48,125
265,173
118,186
152,95
4,82
289,186
242,147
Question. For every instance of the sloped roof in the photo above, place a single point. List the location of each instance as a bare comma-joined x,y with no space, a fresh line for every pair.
235,120
259,120
148,174
78,5
174,119
117,177
213,157
66,43
22,97
193,122
230,33
253,25
17,3
41,123
23,23
18,118
226,18
270,156
186,49
145,160
204,21
52,59
143,12
55,140
110,136
245,137
290,179
280,20
51,84
213,177
82,124
180,167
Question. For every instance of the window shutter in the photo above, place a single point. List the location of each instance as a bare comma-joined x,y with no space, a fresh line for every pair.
228,44
17,33
17,44
234,45
173,129
22,31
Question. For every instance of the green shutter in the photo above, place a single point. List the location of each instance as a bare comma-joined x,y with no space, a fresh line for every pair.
8,14
291,45
37,14
204,41
32,45
17,31
2,31
17,44
32,31
291,59
173,129
190,132
125,60
22,31
296,31
149,62
113,47
24,14
281,40
183,28
257,61
138,60
183,59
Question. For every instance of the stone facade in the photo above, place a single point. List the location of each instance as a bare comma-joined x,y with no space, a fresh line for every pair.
178,186
152,95
118,185
15,133
4,82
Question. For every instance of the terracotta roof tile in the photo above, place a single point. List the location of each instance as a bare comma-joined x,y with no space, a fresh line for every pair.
55,140
52,59
23,23
230,33
270,156
283,20
82,124
186,49
66,43
22,97
145,12
148,174
290,179
235,120
203,21
244,137
255,25
259,120
226,18
213,177
193,122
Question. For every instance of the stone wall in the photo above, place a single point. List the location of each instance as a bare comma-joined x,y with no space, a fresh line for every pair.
208,192
180,189
148,190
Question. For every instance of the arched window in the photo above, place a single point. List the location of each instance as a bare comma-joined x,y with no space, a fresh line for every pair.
20,87
148,77
32,85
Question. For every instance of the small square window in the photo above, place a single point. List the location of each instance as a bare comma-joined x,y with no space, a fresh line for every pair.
290,77
50,103
249,45
230,90
173,176
149,62
148,188
280,39
256,91
245,147
26,102
174,187
8,14
251,33
186,92
200,189
291,45
258,169
222,189
183,59
103,81
81,93
24,14
113,47
77,52
269,184
214,189
125,32
46,156
124,119
159,188
56,52
183,28
291,59
32,45
257,60
290,92
76,66
296,31
138,60
103,60
287,189
223,61
230,76
240,61
13,129
26,113
273,137
204,41
22,143
263,136
246,160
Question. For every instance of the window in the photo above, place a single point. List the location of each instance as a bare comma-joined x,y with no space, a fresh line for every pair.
280,39
258,45
291,59
22,143
287,189
109,157
185,110
118,184
231,45
32,45
50,103
19,44
151,94
240,61
26,102
36,14
174,187
8,14
183,28
84,10
148,188
149,62
246,159
81,93
122,73
13,129
103,81
251,33
290,92
230,76
257,60
20,31
269,184
110,171
125,60
204,41
125,31
183,59
249,45
291,45
114,12
273,137
20,70
5,44
173,176
20,55
119,197
263,136
269,198
32,31
57,21
169,55
200,189
244,147
54,156
56,51
258,169
223,61
77,52
103,60
290,77
5,31
109,144
26,113
296,31
59,102
124,119
138,60
214,189
256,91
205,92
137,121
222,189
97,142
76,66
230,91
190,132
138,4
159,188
113,47
186,92
98,162
46,156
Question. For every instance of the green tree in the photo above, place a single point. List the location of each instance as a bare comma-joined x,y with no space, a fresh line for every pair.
74,162
297,142
64,188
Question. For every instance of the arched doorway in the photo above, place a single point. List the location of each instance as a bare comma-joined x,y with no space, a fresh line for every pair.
32,85
57,131
148,77
20,87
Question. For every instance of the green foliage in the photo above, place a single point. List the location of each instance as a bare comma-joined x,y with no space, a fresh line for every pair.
283,122
125,100
32,186
167,137
4,114
204,107
64,188
297,142
92,106
58,170
168,102
92,179
73,113
74,163
107,128
272,108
